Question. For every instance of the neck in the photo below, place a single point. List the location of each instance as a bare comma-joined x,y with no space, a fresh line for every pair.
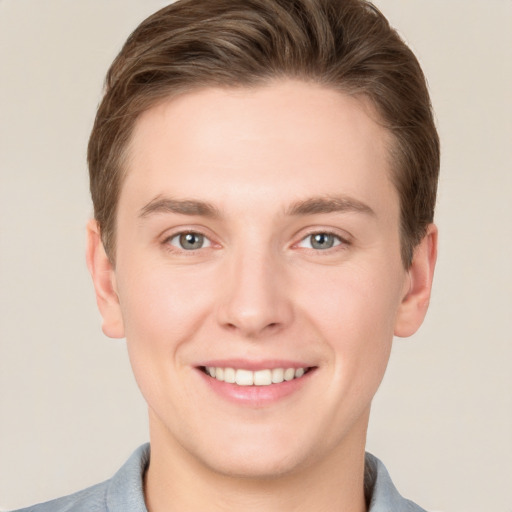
176,481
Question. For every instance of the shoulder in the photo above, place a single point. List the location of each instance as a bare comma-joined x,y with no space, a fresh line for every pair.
381,494
92,499
122,493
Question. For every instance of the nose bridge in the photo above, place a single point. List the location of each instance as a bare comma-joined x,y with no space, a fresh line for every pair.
255,298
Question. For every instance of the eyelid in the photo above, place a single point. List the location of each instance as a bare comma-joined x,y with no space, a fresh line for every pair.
178,235
336,241
173,233
344,239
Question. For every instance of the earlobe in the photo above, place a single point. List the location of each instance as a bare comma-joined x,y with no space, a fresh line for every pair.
415,302
103,277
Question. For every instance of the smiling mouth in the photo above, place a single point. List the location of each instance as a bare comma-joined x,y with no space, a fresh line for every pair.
264,377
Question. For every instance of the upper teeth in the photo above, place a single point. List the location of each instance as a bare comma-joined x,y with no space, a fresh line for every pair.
257,378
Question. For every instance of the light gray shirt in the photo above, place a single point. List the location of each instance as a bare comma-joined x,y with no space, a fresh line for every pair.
124,491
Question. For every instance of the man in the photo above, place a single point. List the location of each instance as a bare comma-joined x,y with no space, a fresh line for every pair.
264,176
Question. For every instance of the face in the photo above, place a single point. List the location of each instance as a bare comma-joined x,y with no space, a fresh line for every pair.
258,277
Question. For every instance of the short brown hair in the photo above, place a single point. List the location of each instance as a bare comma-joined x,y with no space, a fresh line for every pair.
346,45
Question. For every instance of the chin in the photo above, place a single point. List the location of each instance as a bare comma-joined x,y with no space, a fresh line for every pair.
262,467
255,455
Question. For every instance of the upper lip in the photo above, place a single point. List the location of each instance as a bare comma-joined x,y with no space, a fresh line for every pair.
255,365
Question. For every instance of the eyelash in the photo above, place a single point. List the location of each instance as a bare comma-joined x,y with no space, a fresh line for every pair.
338,238
175,248
340,243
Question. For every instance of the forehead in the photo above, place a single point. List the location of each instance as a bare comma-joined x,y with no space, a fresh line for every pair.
284,138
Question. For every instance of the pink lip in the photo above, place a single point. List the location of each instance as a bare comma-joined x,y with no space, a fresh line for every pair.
255,396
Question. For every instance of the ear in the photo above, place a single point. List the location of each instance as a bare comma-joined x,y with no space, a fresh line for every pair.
103,277
414,305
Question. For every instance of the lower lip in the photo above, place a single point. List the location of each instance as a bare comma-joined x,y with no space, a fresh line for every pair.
255,396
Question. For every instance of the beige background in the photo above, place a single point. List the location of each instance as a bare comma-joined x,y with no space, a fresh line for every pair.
70,413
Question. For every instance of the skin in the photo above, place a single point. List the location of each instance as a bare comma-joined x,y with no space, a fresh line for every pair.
271,163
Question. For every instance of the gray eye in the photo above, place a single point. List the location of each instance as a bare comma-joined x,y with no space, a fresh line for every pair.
322,241
190,241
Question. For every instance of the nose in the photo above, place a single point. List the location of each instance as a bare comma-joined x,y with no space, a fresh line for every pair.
255,299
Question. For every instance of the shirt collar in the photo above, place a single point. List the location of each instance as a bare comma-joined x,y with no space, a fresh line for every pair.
125,492
381,494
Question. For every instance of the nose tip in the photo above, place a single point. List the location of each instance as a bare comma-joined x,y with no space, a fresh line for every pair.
255,301
252,325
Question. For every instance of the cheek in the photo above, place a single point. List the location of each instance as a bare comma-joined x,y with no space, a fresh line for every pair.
162,307
355,316
353,298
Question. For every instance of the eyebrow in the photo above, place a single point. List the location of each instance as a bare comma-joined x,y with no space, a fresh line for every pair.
329,204
310,206
181,206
